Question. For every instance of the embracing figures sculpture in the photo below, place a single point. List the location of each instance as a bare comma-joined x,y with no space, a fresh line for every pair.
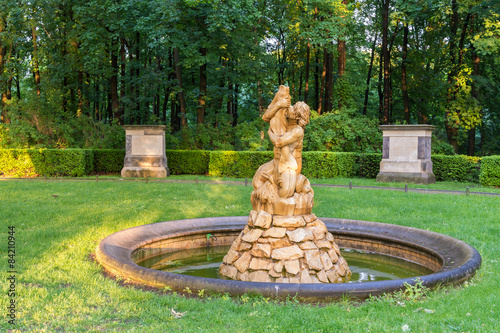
283,241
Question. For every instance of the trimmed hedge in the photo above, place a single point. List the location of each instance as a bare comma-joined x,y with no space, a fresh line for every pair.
490,171
455,167
187,162
50,162
108,160
237,163
369,165
79,162
328,164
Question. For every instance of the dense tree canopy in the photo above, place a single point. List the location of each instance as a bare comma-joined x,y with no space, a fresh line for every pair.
72,70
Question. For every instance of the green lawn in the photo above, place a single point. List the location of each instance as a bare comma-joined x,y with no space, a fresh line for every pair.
59,288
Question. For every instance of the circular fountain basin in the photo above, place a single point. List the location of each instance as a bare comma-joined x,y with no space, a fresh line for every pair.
452,261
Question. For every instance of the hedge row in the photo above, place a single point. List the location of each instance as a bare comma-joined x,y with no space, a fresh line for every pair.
78,162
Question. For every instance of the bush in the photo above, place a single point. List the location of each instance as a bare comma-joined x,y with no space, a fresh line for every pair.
50,162
237,164
108,160
191,162
490,171
328,164
369,165
342,132
455,168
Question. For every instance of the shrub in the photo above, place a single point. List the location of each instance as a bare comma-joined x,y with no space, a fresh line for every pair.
369,165
50,162
237,164
454,168
490,171
342,132
108,160
192,162
328,164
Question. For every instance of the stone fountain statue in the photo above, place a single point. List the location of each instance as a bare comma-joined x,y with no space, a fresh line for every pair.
283,241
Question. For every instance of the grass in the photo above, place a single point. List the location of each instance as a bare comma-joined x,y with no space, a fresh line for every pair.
59,288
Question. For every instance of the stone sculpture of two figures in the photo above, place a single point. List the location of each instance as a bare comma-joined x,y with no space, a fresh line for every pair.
283,241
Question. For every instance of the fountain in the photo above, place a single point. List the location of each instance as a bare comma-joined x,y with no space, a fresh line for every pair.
283,241
282,249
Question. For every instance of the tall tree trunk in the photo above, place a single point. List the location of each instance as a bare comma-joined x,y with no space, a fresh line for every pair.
329,89
137,75
123,84
323,79
114,83
235,106
36,71
308,60
472,132
367,91
316,84
386,59
182,100
456,57
404,87
4,118
380,88
203,89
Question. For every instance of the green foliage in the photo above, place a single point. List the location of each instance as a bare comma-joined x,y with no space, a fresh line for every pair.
441,147
108,160
455,168
253,136
328,164
49,162
342,132
369,165
237,164
490,171
190,162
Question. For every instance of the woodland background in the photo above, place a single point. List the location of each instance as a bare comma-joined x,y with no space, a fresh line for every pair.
72,71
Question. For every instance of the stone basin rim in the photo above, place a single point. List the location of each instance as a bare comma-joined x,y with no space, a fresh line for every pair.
459,260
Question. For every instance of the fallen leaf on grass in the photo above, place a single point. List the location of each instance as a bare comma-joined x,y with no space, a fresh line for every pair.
177,314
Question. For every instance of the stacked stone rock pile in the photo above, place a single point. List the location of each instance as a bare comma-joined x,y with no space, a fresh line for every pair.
284,249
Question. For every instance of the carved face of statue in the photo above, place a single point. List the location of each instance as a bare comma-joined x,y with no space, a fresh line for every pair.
299,111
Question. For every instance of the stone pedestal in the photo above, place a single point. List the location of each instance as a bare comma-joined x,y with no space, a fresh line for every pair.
406,154
145,152
285,249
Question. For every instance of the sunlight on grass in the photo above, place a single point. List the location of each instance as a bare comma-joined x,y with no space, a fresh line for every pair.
59,225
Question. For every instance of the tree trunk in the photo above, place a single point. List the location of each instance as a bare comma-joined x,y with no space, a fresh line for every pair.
404,87
316,84
367,91
323,78
203,89
308,60
182,100
386,59
114,83
472,132
4,118
36,71
123,82
329,91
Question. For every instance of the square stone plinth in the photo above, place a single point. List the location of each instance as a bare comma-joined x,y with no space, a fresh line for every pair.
145,152
406,154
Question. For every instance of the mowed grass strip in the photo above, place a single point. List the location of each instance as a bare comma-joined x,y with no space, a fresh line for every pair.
59,223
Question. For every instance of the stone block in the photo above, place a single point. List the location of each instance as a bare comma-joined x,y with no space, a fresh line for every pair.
275,232
228,271
326,261
260,264
259,276
263,220
308,246
313,259
292,266
300,235
261,250
288,221
230,257
287,253
243,262
277,243
252,235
